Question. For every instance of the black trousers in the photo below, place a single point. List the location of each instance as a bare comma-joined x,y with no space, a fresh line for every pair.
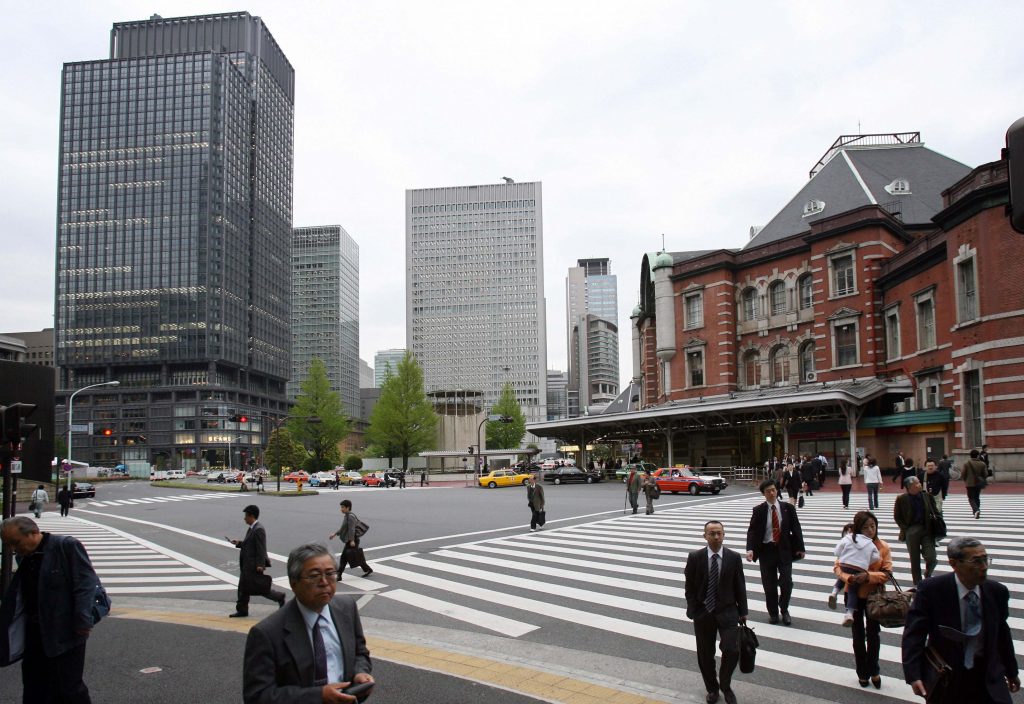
247,588
846,494
866,644
56,680
705,628
776,577
537,518
968,686
974,497
353,557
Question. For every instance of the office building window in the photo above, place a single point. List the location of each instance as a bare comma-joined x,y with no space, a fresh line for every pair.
777,296
844,336
750,304
892,333
925,322
967,293
780,365
807,362
752,369
694,310
844,281
972,408
805,291
695,367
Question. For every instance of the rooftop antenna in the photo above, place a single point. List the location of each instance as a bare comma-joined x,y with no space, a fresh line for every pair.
662,241
858,127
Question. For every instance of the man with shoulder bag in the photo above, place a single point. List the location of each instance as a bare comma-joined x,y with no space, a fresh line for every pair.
352,529
975,475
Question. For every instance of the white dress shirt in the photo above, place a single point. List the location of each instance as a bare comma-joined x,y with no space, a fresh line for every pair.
768,517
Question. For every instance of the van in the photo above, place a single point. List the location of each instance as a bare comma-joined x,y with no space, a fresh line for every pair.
175,473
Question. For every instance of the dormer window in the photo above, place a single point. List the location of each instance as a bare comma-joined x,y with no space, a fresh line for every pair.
813,207
899,187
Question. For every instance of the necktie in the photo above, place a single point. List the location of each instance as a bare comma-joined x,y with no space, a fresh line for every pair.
319,655
776,528
972,627
711,600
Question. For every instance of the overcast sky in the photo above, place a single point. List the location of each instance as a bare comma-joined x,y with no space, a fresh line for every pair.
692,119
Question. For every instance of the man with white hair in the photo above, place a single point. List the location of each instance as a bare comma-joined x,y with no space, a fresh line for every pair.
915,512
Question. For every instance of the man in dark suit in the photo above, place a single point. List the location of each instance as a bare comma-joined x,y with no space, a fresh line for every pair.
535,500
963,616
914,512
313,648
716,601
774,539
252,561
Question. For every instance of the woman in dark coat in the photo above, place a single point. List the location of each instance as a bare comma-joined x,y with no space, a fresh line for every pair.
793,483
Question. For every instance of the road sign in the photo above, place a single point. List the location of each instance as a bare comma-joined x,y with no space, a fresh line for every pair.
15,466
81,427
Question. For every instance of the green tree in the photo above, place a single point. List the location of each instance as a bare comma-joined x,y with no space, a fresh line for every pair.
283,451
317,400
403,421
353,463
506,434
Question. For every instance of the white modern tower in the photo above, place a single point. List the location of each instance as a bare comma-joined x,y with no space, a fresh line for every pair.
592,336
474,270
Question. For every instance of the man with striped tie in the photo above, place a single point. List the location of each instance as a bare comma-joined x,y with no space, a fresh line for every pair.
716,601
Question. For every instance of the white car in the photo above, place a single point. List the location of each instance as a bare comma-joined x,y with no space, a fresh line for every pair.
323,479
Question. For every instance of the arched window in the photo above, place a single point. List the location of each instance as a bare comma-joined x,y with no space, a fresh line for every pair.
750,304
780,365
807,362
752,369
777,297
805,292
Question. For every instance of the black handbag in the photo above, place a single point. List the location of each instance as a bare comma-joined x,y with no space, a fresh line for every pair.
939,529
889,609
936,675
748,648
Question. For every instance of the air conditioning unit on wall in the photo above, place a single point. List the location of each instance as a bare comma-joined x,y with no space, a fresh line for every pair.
900,407
810,376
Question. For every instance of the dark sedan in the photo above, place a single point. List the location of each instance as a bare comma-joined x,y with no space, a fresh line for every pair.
83,490
571,474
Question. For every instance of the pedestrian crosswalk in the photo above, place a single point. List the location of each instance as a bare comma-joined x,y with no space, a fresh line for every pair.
128,564
623,577
166,498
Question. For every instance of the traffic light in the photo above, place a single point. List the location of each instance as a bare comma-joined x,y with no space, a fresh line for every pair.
1014,154
15,429
105,432
239,418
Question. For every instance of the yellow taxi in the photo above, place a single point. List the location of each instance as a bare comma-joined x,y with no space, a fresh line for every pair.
504,477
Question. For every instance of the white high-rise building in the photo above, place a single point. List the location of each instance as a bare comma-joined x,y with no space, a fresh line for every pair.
474,272
325,310
592,335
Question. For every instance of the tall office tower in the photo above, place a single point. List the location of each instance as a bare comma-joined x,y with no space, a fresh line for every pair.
173,233
365,375
592,335
325,310
474,271
386,361
558,406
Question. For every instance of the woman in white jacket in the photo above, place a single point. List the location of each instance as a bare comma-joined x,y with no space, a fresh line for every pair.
872,479
845,483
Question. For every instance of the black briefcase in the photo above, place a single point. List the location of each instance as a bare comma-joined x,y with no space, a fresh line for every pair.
748,648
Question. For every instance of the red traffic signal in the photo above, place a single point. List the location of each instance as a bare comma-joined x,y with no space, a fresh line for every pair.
106,432
239,418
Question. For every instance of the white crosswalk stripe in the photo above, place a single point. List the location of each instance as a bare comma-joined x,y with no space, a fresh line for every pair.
612,574
93,503
127,564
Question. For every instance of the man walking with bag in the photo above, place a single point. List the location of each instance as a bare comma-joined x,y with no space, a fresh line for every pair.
975,479
39,499
650,488
48,612
716,601
535,500
252,562
633,488
352,529
914,512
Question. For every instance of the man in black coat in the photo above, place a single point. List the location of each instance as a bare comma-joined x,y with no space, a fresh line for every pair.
252,561
977,646
314,647
716,601
774,539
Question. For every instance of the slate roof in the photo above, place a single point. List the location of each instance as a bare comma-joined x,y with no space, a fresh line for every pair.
624,401
856,176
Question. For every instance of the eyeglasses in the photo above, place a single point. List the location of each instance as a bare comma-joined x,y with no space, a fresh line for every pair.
315,577
979,560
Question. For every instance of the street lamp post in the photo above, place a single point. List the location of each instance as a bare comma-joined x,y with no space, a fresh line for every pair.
71,406
231,465
479,434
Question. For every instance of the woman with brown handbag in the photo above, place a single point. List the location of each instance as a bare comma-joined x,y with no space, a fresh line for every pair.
865,632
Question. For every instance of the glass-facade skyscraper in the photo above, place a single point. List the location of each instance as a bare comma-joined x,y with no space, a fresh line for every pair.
591,303
385,361
325,310
474,270
173,233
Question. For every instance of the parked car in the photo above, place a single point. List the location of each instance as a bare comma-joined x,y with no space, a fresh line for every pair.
622,474
504,477
571,474
193,473
296,476
83,490
351,477
322,479
678,479
374,479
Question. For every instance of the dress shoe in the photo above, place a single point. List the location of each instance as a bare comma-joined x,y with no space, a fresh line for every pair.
786,620
367,573
711,698
773,619
237,614
730,696
832,601
877,681
863,683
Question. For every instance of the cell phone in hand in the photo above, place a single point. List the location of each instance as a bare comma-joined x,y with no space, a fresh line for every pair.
359,691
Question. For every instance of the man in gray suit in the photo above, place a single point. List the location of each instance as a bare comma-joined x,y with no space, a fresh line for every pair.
252,561
716,601
313,648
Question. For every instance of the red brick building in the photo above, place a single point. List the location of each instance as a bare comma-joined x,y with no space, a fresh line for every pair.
875,312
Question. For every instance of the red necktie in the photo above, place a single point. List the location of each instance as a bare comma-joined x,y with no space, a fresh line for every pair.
776,529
